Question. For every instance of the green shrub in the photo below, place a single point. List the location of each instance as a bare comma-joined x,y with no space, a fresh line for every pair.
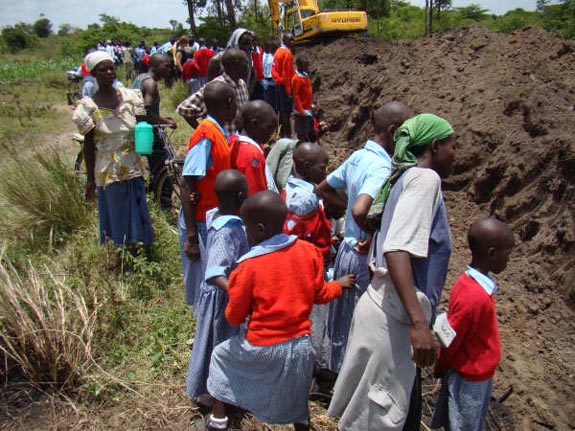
42,199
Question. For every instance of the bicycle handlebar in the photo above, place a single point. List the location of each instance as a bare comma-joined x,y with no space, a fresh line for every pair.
165,126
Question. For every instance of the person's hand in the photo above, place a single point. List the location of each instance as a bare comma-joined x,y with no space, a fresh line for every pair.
347,281
362,247
171,122
192,249
194,198
90,190
423,344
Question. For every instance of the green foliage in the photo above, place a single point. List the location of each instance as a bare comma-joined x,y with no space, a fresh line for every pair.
42,27
11,71
64,29
210,29
560,17
514,20
16,38
44,200
474,12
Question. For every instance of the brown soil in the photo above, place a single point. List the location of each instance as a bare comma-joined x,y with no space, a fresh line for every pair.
510,99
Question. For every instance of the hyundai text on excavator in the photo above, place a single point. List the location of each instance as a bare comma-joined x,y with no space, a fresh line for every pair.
304,19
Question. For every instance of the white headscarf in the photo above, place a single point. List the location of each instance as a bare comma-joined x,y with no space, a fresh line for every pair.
234,41
95,58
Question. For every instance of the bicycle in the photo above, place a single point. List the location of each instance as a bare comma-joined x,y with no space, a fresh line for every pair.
74,87
167,181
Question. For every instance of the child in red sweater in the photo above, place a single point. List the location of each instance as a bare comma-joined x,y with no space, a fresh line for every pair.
269,370
302,100
257,122
467,364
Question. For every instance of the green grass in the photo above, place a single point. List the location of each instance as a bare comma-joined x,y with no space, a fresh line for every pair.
34,70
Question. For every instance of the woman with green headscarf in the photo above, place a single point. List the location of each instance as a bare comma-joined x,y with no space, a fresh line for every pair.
390,332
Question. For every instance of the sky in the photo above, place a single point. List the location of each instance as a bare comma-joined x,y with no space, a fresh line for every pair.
158,13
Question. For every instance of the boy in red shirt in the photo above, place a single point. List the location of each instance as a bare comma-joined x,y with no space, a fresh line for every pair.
467,364
268,371
302,100
258,122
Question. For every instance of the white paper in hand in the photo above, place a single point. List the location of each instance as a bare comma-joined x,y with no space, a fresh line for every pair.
445,333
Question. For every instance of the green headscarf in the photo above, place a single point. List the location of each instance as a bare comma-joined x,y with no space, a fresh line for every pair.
418,131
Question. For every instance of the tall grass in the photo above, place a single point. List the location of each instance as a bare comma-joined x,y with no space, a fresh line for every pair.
41,199
46,328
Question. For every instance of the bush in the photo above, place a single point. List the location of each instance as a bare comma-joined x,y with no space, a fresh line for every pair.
46,329
16,38
45,200
42,27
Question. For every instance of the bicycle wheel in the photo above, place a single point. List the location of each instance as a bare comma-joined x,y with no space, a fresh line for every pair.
167,192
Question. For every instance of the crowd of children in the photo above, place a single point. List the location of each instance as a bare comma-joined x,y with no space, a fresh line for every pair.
282,292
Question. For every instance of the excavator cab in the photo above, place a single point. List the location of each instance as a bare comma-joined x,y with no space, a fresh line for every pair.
306,22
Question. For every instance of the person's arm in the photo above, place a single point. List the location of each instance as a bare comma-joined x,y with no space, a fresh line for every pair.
296,92
149,89
192,108
330,194
422,339
360,209
90,159
288,72
179,61
240,292
191,246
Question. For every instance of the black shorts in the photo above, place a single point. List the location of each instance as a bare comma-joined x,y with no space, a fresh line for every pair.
284,102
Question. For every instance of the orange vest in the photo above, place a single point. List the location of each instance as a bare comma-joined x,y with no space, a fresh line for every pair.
220,153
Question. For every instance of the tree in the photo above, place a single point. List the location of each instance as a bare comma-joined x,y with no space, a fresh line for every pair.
64,29
16,38
231,13
173,23
541,5
42,27
192,5
441,5
473,11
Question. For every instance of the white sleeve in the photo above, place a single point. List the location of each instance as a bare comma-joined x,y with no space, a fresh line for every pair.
410,226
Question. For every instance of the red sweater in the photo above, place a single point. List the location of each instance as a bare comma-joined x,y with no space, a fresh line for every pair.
277,291
302,93
257,61
282,68
476,350
250,161
202,57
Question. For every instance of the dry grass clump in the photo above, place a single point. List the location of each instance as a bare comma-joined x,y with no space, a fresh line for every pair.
46,329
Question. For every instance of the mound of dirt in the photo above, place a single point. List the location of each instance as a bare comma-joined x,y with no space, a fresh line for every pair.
510,99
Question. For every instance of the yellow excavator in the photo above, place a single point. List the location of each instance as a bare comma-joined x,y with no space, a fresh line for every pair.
304,19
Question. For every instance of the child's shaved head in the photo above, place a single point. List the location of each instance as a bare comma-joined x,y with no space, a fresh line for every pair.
259,120
391,114
230,184
489,232
490,241
310,161
216,94
264,214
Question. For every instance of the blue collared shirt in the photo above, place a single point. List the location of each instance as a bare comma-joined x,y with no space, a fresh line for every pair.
274,243
199,160
483,280
362,173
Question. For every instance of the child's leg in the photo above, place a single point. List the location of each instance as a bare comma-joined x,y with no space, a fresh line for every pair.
218,420
298,426
467,403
